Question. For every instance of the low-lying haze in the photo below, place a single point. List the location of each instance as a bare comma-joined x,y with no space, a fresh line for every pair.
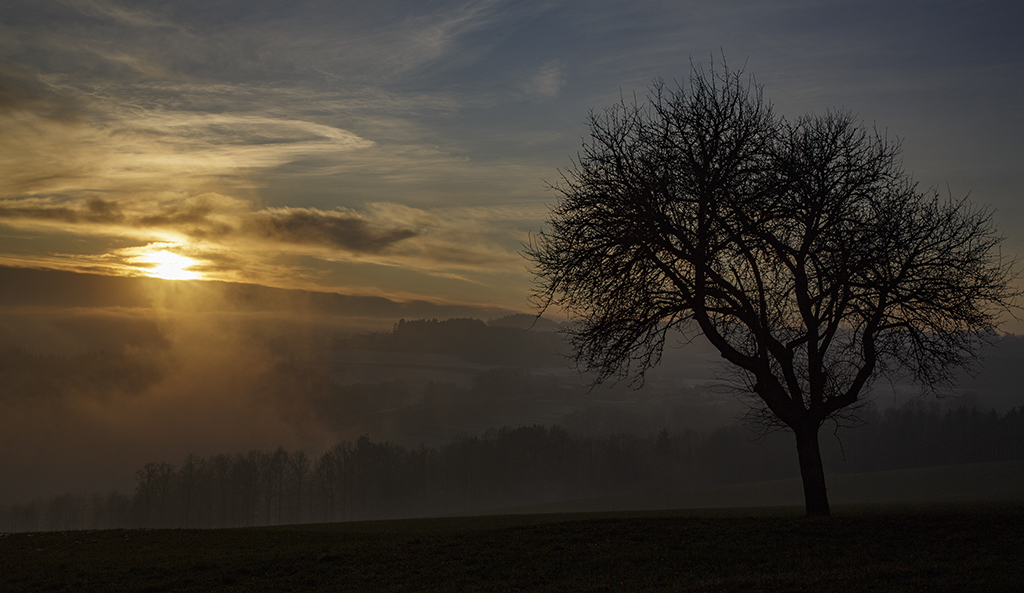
213,216
100,375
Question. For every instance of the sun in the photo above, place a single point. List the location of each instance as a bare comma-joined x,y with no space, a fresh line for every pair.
169,266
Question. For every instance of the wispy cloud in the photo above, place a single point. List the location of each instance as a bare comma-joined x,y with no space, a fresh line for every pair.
547,81
119,14
131,148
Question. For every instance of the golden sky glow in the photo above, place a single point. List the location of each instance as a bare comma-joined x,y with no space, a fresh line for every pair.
405,151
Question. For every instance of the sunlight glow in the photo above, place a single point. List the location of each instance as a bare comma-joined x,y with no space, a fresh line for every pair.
170,266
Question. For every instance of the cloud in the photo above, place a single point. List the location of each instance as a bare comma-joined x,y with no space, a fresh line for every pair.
232,241
195,216
94,210
118,14
164,155
463,239
21,93
546,82
462,256
312,226
100,210
259,130
130,149
44,213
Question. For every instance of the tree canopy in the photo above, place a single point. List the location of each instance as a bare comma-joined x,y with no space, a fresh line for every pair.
800,249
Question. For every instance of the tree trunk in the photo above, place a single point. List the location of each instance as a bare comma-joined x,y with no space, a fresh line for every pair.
809,453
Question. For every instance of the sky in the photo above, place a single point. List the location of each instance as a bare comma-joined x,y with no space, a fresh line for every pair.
397,153
404,149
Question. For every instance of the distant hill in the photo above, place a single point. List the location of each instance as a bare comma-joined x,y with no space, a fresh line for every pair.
53,288
505,343
525,322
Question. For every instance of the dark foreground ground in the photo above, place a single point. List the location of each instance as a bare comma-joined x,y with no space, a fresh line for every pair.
978,548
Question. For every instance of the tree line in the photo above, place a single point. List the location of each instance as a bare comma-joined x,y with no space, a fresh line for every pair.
365,480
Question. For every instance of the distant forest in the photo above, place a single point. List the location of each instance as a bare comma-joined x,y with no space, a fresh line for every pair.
363,479
427,381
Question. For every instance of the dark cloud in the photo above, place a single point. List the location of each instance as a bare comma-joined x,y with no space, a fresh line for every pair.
95,210
338,229
178,215
193,219
100,210
61,213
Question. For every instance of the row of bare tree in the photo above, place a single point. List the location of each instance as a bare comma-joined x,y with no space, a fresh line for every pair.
503,468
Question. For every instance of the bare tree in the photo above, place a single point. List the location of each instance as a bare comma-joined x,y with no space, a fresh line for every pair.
801,250
188,481
298,471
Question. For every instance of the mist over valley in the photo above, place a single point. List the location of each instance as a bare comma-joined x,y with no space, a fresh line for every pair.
101,376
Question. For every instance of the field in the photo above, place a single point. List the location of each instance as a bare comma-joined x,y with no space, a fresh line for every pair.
956,528
999,482
922,548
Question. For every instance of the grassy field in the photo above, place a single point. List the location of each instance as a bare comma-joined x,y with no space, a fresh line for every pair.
955,528
920,548
998,482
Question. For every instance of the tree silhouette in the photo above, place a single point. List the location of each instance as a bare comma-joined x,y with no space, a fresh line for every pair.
298,470
800,249
188,478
